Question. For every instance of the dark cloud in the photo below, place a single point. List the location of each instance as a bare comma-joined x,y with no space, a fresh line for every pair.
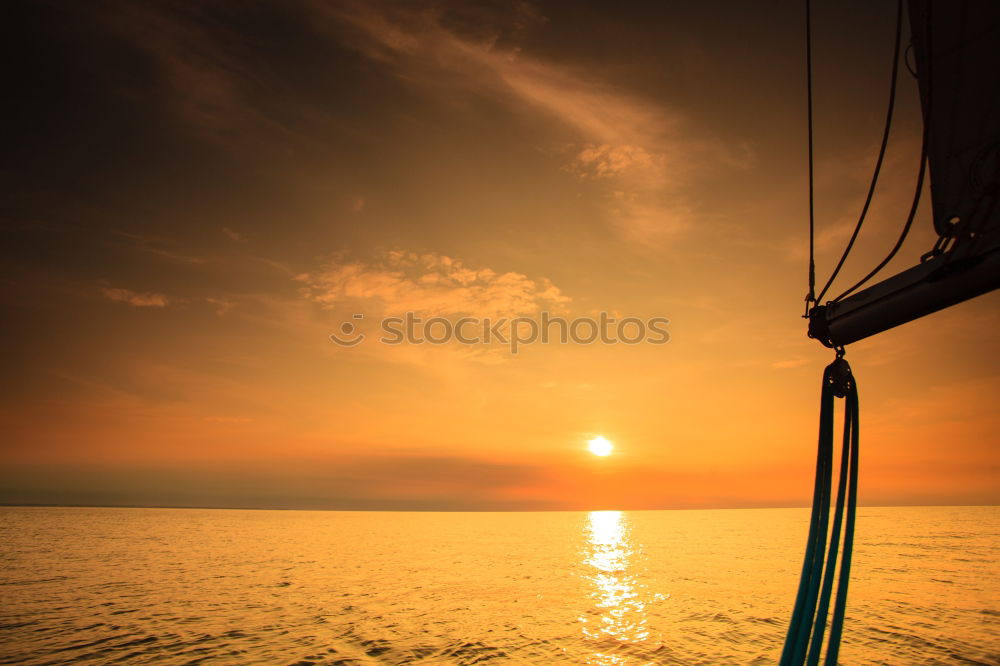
357,483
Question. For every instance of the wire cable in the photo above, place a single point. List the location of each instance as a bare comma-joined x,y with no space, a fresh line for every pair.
920,174
811,296
903,234
881,152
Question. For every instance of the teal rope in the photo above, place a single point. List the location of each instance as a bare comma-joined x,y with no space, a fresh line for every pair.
816,575
799,624
837,626
818,567
831,559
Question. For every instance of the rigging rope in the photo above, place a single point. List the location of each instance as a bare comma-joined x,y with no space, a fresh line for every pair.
923,164
906,227
811,296
804,640
881,152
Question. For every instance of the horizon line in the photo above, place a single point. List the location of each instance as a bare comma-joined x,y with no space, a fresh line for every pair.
405,510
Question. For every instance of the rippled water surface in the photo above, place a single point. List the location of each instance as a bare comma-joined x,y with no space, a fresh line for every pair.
650,587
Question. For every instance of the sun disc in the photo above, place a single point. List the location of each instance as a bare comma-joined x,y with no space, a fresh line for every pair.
600,446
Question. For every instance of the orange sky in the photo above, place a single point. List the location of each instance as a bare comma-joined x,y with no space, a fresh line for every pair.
197,198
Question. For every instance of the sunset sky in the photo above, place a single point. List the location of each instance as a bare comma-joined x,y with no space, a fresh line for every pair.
198,194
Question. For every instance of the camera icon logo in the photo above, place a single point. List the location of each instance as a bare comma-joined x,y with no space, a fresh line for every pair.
348,330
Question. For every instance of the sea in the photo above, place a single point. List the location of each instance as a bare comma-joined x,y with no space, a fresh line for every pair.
192,586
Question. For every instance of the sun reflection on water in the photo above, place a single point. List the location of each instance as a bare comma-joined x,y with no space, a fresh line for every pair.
620,616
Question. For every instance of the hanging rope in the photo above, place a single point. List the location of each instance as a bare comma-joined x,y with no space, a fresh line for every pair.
804,640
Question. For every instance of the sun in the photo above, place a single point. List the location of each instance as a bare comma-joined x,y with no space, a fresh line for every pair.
600,446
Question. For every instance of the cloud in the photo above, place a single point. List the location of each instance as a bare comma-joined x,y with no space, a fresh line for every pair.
790,363
205,69
413,482
161,247
199,77
134,298
640,157
234,236
430,284
434,476
644,154
222,306
607,161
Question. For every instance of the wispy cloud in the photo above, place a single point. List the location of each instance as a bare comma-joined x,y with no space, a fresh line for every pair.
233,235
160,247
790,363
222,306
643,153
135,298
607,161
641,157
200,79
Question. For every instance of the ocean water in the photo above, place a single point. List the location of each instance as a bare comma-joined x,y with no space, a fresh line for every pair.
180,586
